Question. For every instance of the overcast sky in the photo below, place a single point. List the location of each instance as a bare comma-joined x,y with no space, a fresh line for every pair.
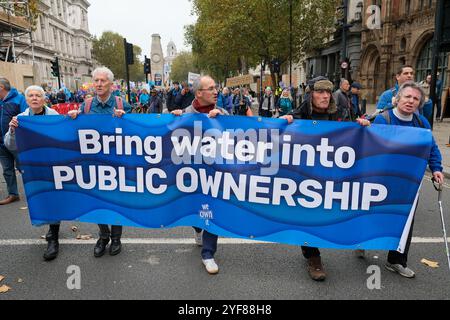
137,20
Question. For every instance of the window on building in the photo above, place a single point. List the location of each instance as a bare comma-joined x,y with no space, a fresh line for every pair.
403,45
424,63
408,7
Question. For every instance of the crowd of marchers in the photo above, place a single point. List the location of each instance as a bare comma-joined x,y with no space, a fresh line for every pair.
403,105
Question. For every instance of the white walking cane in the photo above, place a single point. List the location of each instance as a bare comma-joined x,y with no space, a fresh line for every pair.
438,188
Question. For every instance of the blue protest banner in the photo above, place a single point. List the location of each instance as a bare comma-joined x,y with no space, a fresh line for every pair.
323,184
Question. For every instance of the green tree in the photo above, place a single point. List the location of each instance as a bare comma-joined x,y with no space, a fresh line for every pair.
109,51
234,35
182,65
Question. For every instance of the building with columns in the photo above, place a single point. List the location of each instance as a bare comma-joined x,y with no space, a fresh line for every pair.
404,37
61,30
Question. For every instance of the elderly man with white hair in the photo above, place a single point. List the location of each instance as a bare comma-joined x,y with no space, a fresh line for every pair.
104,102
35,97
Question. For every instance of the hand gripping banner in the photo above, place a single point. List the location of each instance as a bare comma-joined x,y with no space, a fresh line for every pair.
322,184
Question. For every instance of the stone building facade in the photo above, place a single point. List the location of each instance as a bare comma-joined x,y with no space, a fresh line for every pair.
327,61
61,30
405,37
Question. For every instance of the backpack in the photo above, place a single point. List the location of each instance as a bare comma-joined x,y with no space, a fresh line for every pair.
88,104
416,119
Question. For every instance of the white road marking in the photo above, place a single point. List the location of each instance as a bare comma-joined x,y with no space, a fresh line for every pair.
179,241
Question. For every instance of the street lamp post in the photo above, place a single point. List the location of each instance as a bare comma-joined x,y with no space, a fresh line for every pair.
436,53
290,43
345,26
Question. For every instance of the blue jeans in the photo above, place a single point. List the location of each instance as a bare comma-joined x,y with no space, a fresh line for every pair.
8,159
209,244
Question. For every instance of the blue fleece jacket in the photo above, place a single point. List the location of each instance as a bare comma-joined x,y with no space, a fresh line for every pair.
13,104
435,159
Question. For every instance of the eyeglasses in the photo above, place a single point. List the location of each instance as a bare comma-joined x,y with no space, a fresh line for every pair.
210,89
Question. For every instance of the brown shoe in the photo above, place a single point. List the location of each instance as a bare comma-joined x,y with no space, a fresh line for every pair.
9,199
315,269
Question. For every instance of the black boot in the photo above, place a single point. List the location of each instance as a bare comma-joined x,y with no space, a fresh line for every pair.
116,245
53,244
100,247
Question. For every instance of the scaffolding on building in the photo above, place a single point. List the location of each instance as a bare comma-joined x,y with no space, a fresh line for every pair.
16,30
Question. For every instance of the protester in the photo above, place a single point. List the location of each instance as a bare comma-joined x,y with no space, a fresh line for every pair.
236,100
404,74
35,97
205,102
428,106
343,102
225,100
410,97
438,97
144,99
185,98
354,98
11,104
172,96
248,96
155,104
104,103
61,96
318,106
244,107
285,103
267,105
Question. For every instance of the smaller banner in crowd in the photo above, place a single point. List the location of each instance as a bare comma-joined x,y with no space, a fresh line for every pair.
64,108
323,184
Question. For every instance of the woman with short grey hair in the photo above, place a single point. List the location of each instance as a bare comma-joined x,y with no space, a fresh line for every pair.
35,97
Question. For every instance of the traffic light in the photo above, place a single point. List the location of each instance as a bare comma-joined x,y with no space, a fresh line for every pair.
147,66
129,55
55,67
445,28
276,66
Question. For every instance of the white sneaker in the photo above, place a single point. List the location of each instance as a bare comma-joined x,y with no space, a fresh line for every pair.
401,270
211,266
198,236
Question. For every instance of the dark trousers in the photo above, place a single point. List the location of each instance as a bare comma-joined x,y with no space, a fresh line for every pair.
209,244
53,232
395,257
309,252
105,233
438,109
9,161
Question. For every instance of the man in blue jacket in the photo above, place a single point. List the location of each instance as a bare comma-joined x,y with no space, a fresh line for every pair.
11,104
404,74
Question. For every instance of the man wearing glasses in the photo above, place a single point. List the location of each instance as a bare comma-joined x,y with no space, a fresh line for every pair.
205,92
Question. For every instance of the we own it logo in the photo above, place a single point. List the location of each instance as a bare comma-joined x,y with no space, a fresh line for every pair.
206,213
